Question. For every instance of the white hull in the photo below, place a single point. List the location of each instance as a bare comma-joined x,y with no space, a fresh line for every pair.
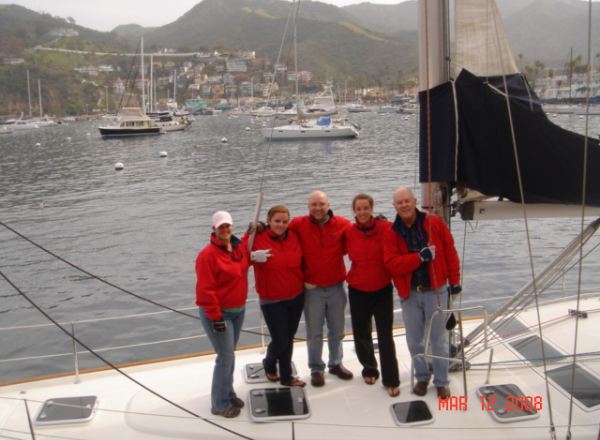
309,131
339,410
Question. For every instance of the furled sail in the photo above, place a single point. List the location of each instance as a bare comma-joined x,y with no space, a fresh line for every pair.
466,129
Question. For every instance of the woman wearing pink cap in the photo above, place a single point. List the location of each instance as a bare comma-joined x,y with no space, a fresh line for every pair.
221,291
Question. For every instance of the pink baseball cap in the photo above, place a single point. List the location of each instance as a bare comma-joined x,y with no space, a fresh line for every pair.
220,218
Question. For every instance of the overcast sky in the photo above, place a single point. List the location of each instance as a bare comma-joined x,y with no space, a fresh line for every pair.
105,15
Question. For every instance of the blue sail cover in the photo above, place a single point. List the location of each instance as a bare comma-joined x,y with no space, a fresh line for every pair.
550,157
324,121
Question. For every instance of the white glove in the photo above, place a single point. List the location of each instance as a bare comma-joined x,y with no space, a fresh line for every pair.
260,256
432,249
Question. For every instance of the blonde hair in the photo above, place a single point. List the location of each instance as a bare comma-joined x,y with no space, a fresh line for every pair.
362,196
277,209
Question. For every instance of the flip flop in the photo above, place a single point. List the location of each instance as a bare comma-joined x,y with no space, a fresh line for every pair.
393,391
370,380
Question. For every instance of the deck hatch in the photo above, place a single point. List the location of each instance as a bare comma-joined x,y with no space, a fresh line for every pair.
255,373
530,349
587,386
281,403
415,412
67,410
507,403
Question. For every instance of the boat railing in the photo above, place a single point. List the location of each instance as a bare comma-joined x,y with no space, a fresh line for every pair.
426,346
257,329
75,352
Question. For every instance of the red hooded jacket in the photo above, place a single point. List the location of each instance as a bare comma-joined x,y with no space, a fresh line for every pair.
323,248
364,244
221,277
280,278
444,269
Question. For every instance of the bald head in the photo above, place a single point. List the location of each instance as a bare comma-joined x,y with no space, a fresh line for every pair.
405,204
403,192
318,206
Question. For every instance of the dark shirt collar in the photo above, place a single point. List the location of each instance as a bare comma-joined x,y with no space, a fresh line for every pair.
366,226
329,214
274,236
400,227
218,243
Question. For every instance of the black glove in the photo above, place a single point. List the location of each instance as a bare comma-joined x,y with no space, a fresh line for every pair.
426,254
455,289
381,217
219,325
260,227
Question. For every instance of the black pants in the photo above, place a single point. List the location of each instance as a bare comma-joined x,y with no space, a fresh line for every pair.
363,307
282,319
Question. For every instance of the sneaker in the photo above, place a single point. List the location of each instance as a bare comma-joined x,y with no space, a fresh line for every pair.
228,413
342,372
317,379
420,388
237,402
443,392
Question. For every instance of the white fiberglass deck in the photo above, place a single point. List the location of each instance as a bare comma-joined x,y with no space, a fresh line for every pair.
340,409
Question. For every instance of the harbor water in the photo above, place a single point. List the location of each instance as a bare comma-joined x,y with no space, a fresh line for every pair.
141,228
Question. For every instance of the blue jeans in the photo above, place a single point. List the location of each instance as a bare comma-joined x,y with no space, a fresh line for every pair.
324,304
224,345
417,309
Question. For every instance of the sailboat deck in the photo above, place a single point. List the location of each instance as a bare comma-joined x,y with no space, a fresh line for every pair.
340,409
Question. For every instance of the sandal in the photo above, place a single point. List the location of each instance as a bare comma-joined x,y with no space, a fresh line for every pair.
370,380
295,382
393,391
272,377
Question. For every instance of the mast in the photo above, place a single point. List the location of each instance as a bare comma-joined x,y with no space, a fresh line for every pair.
151,85
571,76
143,79
28,93
433,70
40,97
296,58
175,85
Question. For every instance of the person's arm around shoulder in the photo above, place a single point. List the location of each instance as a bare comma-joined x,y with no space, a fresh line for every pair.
294,225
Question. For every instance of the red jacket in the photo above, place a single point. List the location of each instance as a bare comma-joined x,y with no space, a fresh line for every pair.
364,244
280,278
445,268
323,249
222,277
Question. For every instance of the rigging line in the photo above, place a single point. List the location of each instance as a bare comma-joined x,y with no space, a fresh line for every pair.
31,431
291,14
96,277
526,222
128,83
583,198
114,367
546,278
108,283
43,435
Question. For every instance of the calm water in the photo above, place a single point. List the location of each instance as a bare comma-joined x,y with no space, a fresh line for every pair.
142,227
